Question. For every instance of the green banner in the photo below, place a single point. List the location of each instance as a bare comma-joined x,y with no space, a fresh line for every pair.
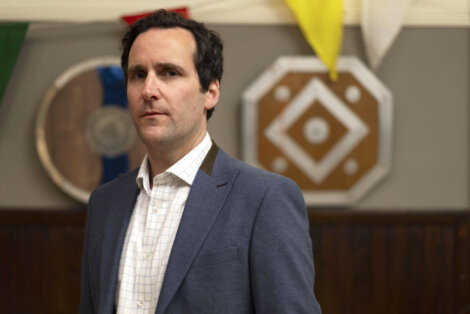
11,40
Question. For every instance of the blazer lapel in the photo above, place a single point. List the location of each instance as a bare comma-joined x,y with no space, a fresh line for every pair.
206,198
115,228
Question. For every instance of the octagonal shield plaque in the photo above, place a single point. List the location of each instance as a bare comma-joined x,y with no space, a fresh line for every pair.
332,138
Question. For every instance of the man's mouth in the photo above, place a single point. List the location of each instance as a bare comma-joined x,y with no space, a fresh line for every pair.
152,114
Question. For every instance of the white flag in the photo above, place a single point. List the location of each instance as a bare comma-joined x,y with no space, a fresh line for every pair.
381,22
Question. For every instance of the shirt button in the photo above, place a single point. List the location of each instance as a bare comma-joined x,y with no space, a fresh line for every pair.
147,256
155,210
140,303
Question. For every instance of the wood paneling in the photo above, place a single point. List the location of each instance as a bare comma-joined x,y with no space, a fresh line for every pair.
366,262
40,264
372,262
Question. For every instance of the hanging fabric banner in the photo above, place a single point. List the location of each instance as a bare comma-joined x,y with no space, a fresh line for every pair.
381,21
321,24
11,40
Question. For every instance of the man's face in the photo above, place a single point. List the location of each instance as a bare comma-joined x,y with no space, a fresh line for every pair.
163,90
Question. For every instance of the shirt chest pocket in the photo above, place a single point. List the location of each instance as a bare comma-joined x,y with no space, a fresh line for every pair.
216,257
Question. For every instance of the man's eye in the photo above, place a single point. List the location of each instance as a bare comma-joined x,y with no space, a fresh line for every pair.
171,73
139,75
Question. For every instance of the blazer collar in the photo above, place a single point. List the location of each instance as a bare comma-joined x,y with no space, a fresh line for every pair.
210,189
209,160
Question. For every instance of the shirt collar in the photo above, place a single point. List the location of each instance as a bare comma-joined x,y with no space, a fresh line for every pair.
185,169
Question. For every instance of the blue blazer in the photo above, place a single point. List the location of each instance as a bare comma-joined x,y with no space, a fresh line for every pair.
242,246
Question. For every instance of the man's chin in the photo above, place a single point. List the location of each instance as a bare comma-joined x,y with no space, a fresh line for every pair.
155,140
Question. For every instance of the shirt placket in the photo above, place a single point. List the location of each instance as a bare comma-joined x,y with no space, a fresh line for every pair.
151,258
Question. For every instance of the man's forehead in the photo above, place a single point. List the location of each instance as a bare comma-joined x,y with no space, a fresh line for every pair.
165,47
157,38
167,33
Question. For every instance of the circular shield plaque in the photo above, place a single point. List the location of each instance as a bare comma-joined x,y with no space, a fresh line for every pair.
84,132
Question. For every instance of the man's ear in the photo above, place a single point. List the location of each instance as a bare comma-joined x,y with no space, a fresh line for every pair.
212,95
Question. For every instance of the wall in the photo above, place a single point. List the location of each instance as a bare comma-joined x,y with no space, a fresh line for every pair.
420,12
427,70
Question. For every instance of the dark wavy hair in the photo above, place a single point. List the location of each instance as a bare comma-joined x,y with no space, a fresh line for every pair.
208,58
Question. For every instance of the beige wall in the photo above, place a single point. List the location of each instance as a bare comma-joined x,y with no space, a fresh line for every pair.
427,70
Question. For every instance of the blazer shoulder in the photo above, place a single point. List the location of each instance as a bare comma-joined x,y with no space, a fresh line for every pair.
260,177
118,185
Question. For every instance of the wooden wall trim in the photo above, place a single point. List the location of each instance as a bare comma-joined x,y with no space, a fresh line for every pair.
316,216
347,216
42,216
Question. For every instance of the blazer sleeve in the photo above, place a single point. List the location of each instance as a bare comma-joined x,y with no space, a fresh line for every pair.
281,258
86,303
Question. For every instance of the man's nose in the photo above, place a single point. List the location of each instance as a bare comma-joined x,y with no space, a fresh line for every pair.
151,89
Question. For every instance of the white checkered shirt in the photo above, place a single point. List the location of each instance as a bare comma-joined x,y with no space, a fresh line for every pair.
152,230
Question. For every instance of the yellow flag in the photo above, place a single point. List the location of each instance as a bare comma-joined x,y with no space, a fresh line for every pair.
321,24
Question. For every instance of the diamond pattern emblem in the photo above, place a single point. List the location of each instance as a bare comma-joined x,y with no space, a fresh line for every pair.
276,131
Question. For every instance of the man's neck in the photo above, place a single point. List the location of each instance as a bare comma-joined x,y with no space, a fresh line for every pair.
162,157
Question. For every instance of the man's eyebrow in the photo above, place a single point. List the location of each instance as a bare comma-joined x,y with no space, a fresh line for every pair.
169,66
159,66
135,68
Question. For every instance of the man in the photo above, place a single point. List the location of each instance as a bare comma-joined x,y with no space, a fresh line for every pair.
192,230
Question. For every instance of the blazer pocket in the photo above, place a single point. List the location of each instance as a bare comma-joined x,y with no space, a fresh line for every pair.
215,257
